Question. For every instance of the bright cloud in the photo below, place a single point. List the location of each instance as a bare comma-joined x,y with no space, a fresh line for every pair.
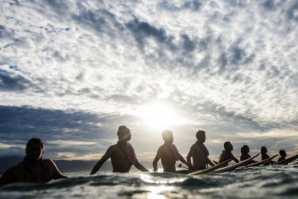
75,70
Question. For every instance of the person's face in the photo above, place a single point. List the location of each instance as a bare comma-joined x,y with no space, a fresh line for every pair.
126,137
202,138
231,147
34,151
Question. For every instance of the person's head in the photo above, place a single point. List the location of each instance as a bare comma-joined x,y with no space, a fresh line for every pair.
228,146
282,153
201,136
34,148
123,133
263,150
167,136
245,149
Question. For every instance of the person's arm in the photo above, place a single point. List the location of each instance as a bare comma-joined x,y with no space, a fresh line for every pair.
189,155
156,159
210,162
56,173
235,159
104,158
184,161
141,167
8,176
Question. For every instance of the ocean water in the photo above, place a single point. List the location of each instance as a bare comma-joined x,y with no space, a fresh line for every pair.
257,182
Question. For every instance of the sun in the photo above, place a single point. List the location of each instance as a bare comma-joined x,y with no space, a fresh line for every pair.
160,117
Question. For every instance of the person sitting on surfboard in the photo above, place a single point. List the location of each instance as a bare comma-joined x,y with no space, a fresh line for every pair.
199,153
227,153
122,154
283,155
33,169
265,156
244,153
168,154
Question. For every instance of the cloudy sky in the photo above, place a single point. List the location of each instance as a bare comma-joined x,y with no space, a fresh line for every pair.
72,71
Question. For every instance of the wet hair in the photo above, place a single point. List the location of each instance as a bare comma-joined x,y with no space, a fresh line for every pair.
123,131
200,133
244,149
226,144
263,149
34,140
282,153
166,133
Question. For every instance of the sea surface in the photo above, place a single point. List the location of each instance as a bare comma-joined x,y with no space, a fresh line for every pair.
257,182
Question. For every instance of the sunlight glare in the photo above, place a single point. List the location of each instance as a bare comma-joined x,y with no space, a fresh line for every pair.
160,117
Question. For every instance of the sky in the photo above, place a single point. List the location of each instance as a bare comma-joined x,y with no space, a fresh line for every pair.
72,71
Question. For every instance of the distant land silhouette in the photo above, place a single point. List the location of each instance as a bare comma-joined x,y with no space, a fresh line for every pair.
65,165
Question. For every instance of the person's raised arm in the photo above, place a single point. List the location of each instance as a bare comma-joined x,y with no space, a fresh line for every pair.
102,160
189,155
156,159
8,176
56,173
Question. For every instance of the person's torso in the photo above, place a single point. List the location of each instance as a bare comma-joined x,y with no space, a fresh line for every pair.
120,160
168,159
199,158
37,174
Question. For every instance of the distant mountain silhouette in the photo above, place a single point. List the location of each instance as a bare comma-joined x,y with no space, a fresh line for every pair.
65,165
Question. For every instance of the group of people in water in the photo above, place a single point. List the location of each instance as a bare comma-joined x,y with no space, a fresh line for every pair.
35,169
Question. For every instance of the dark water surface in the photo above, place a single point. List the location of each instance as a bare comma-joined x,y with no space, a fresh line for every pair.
258,182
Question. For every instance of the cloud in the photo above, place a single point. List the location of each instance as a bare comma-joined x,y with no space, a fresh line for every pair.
84,67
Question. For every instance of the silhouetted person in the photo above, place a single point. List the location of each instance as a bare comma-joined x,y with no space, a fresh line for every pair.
283,155
199,153
227,153
244,153
33,169
122,154
168,154
264,155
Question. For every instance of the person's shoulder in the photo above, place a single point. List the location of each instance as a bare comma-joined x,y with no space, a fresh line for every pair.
15,168
194,145
48,161
113,148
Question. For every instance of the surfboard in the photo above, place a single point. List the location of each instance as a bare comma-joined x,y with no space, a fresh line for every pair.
288,160
261,162
234,166
208,169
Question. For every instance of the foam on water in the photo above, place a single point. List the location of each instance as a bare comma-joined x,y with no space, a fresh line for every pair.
259,182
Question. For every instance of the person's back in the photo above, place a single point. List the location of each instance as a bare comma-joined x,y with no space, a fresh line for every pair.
119,159
33,169
168,160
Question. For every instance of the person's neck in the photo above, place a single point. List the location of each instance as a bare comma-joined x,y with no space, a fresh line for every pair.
122,142
200,141
33,161
168,143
